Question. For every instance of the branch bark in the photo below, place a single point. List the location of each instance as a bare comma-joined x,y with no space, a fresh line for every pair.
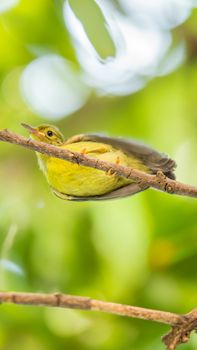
158,181
182,325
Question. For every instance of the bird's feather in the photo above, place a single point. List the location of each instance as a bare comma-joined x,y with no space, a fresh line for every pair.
154,160
122,192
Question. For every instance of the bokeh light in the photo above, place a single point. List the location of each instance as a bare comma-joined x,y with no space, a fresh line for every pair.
6,5
52,87
142,50
164,14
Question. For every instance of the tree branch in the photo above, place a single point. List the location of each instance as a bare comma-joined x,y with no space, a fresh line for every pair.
158,181
182,325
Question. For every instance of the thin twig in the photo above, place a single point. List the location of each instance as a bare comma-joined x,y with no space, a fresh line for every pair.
182,325
158,181
85,303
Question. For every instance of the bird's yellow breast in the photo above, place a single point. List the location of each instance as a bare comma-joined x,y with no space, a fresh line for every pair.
77,180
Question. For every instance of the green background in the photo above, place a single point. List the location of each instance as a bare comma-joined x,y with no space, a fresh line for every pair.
141,250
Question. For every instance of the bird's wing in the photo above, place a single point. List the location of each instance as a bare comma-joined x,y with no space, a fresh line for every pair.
152,159
125,191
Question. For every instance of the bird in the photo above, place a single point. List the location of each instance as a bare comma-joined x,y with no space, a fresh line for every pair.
75,182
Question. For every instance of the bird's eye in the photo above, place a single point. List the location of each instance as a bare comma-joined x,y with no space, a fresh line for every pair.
49,133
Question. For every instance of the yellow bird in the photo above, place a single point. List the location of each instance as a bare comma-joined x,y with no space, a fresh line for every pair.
80,183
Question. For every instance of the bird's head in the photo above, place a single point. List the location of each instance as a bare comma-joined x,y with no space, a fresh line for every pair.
45,133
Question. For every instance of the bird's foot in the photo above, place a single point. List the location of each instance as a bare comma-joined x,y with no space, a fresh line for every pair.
117,161
110,172
84,151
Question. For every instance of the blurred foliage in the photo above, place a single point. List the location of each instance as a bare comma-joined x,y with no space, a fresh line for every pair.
141,250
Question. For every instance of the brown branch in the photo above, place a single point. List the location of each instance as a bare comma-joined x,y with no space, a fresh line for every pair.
180,333
182,325
85,303
158,181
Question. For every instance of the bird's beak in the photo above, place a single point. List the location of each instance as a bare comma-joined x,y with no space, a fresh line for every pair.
31,129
